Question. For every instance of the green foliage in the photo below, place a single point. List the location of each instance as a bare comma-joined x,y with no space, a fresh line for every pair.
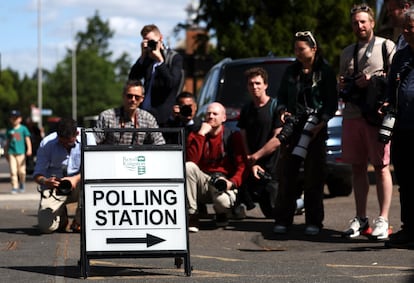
249,28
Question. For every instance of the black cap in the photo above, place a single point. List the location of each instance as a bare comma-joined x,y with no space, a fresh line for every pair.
15,113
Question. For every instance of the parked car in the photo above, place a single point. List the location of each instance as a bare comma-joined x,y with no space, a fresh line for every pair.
225,83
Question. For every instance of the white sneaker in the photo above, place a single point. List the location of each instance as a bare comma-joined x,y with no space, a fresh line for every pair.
357,227
380,228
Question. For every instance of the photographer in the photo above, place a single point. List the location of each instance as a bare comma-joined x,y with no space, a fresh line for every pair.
214,166
57,171
400,96
308,93
363,68
183,115
161,68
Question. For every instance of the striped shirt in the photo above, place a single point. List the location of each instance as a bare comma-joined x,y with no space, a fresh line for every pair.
115,118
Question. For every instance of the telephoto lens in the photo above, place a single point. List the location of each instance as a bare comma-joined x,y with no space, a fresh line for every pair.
301,148
386,128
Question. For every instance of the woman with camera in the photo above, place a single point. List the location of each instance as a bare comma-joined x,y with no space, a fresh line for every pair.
307,96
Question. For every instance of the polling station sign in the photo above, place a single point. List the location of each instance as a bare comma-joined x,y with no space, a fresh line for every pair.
134,201
135,217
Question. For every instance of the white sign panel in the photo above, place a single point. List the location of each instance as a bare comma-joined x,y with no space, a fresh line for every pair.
133,165
135,217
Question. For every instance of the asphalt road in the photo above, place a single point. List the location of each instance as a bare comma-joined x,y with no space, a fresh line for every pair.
246,251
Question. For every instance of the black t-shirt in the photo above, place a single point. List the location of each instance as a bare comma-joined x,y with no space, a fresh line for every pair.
259,124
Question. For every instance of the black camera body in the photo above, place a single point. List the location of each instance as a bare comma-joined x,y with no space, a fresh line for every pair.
287,130
264,175
152,44
349,88
219,183
186,110
64,188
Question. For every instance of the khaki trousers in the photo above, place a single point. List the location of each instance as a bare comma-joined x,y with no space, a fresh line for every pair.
199,190
17,164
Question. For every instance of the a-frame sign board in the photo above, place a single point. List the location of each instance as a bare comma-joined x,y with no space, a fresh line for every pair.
134,201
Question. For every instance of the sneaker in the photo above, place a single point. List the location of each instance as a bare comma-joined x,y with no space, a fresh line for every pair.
238,213
401,239
14,191
357,227
193,223
21,188
380,228
221,220
279,229
75,227
312,230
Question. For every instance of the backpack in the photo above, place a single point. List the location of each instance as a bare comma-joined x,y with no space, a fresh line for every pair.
168,60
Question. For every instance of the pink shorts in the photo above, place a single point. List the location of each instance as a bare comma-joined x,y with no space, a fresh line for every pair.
360,143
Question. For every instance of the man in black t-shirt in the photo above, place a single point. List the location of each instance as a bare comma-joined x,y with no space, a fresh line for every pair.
259,124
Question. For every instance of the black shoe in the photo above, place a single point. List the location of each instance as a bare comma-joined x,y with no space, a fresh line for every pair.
402,240
221,220
193,223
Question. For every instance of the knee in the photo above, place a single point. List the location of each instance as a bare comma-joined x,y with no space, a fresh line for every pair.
224,201
191,168
48,221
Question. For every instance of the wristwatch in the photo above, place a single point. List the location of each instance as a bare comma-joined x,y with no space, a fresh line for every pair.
42,180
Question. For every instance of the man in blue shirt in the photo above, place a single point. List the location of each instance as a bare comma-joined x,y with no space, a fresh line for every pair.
57,172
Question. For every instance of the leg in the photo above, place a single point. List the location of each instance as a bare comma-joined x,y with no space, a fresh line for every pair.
197,185
384,189
13,165
52,213
21,170
361,187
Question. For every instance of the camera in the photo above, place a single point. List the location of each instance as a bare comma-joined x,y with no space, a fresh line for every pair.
287,129
264,175
64,188
186,110
301,149
387,125
152,44
349,87
219,183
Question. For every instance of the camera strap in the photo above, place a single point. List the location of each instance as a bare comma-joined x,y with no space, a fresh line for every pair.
367,55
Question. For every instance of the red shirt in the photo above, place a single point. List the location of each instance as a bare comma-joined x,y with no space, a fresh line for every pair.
209,154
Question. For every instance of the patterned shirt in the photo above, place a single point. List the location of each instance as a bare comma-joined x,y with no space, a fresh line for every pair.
117,119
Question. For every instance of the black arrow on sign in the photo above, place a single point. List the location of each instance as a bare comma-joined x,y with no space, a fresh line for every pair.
150,240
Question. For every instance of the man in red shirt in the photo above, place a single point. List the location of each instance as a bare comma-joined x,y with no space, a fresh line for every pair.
214,166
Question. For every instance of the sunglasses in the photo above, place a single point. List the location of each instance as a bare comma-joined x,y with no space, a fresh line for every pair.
362,8
306,34
137,97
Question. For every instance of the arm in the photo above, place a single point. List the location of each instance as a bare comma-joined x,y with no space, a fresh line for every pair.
238,159
271,145
28,145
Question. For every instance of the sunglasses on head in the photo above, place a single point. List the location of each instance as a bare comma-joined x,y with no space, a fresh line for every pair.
362,8
137,97
306,34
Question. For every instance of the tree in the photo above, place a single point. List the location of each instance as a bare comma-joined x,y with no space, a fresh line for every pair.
99,81
249,28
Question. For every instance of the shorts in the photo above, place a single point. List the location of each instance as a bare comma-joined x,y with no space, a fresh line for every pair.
360,143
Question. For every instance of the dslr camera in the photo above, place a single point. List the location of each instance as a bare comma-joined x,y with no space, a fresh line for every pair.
349,88
64,188
152,44
219,183
186,110
288,128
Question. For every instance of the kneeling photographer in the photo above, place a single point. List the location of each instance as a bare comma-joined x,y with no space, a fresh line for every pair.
57,172
307,99
214,168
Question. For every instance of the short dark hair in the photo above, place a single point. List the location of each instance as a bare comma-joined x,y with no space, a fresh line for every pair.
184,94
257,71
131,83
67,128
149,28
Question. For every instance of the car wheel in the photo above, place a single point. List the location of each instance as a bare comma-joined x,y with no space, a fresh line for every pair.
339,186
